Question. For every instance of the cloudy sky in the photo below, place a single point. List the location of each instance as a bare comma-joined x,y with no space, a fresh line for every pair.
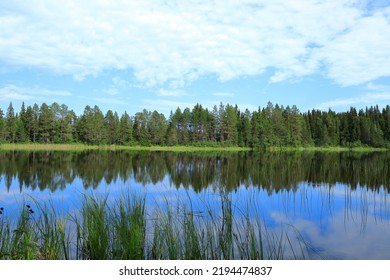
161,54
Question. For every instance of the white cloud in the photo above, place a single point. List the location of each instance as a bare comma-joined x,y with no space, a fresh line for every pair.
175,43
117,86
366,99
120,83
350,234
12,92
375,87
362,54
111,91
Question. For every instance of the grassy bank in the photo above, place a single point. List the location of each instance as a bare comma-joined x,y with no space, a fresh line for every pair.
82,147
127,229
43,147
326,149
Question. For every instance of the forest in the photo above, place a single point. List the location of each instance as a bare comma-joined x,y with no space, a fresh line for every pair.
224,125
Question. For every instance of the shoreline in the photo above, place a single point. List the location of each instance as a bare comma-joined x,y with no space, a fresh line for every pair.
82,147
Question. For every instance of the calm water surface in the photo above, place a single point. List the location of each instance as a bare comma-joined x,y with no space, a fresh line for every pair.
338,203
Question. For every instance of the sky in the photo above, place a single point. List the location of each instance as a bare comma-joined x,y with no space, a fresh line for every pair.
163,54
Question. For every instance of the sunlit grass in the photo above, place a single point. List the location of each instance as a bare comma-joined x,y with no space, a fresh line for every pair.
180,148
44,147
325,149
81,147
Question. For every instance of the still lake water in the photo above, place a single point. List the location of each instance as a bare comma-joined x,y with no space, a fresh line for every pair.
338,203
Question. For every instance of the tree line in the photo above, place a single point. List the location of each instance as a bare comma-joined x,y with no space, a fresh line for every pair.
224,125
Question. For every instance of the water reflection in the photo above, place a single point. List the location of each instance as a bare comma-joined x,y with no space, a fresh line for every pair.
337,202
270,171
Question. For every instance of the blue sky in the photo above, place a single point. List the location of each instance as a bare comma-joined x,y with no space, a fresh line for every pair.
158,55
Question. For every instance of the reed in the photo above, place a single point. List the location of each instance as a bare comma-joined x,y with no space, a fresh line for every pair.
54,243
129,228
167,245
24,245
93,232
5,237
126,229
193,238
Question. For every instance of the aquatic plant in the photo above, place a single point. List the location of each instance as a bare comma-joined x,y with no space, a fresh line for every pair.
127,229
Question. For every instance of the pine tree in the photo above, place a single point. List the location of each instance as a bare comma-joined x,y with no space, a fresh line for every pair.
21,135
198,123
112,127
125,130
140,128
185,124
230,121
11,124
157,128
295,127
91,126
35,123
245,128
3,128
386,123
353,126
47,124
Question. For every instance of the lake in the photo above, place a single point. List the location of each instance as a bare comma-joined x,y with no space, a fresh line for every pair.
327,205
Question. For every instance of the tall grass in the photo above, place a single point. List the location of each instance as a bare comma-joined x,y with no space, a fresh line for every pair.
18,241
126,229
93,232
129,228
53,241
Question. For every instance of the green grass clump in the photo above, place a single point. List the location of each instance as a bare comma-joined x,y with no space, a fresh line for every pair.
129,222
34,237
54,242
93,231
19,241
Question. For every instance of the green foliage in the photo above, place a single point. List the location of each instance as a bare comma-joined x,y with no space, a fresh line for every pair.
3,129
129,227
225,125
157,128
125,136
11,125
93,231
54,243
91,126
